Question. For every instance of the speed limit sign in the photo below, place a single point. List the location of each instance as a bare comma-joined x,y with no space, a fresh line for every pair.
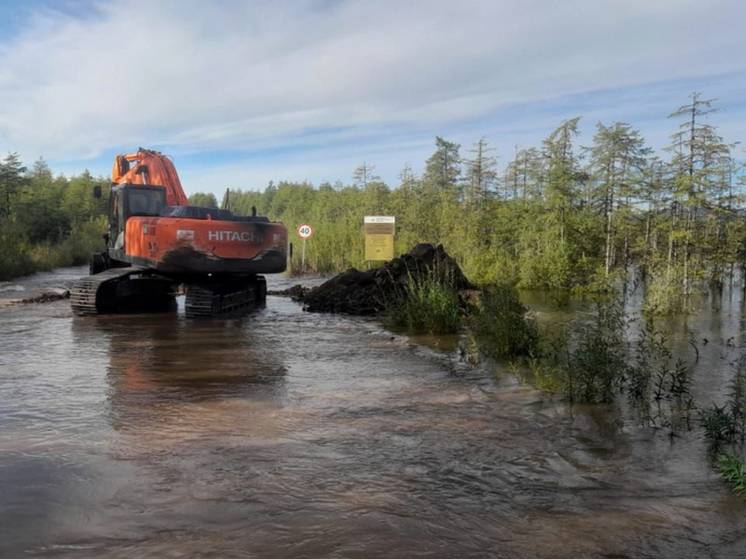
305,231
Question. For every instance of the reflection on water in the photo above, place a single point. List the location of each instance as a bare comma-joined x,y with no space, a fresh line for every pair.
294,434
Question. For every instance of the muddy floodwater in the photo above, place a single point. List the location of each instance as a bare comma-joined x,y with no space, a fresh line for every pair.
289,434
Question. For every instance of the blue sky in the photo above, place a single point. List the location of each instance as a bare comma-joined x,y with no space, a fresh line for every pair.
240,93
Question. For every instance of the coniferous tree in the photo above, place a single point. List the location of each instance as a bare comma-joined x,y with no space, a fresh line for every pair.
12,179
364,174
618,159
443,168
481,174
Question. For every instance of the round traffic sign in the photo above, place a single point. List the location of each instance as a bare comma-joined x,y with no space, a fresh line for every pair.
305,231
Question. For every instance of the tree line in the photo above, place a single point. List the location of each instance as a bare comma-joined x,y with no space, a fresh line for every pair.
47,221
559,216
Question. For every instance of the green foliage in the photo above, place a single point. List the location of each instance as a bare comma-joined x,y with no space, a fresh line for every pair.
426,305
726,424
717,424
588,361
597,364
665,295
731,469
501,324
52,222
14,257
203,200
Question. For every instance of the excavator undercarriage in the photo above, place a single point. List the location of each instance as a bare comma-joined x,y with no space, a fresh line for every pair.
139,289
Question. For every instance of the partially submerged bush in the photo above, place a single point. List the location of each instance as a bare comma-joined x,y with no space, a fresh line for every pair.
590,361
665,295
717,424
657,386
502,326
726,424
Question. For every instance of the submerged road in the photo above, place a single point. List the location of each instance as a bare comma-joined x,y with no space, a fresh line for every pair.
289,434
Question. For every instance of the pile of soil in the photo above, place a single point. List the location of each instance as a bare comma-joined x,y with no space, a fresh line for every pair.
368,293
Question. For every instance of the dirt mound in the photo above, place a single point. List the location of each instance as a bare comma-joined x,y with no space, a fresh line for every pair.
367,293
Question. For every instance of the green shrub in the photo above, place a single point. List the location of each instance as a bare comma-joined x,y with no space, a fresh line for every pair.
718,425
597,364
665,295
726,424
501,324
589,360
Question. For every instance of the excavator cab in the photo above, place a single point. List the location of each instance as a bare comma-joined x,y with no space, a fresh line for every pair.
129,200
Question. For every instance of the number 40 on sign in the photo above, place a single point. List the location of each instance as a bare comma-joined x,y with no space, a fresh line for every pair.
305,231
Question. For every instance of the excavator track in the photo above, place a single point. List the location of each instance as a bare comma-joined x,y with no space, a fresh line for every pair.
106,291
225,299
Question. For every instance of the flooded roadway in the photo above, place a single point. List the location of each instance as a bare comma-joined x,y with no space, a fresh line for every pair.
288,434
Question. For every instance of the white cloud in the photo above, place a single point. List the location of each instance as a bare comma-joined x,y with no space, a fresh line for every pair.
195,76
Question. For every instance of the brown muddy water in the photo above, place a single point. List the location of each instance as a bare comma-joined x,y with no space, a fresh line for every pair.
288,434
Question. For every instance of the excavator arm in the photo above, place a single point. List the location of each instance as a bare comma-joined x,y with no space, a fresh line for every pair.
148,167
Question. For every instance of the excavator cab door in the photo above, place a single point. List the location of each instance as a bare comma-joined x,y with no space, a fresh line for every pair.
116,218
129,200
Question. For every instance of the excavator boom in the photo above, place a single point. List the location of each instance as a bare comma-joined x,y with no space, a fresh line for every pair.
149,167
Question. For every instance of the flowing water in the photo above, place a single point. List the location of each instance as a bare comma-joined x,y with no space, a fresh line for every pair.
289,434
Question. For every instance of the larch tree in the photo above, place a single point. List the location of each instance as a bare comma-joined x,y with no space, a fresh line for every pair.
481,174
696,148
618,159
562,171
364,174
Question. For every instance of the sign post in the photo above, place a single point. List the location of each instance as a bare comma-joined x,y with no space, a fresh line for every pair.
304,232
379,237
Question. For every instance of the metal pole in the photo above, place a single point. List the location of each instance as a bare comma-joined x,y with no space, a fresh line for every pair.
303,258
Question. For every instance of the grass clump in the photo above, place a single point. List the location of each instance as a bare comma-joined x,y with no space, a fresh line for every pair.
502,326
426,305
731,469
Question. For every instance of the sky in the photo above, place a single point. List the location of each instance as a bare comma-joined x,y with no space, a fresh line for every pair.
239,93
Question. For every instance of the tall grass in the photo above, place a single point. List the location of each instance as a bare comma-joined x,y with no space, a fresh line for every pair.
426,305
731,469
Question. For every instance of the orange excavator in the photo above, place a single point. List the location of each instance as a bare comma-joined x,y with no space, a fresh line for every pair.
157,243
